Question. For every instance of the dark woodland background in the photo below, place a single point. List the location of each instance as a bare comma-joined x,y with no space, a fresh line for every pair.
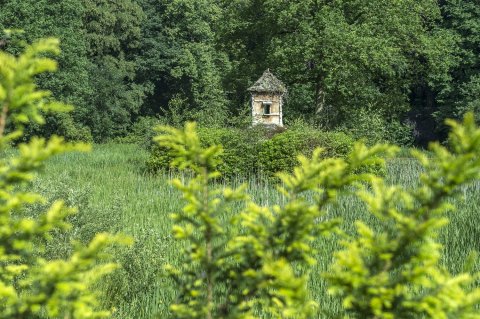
383,70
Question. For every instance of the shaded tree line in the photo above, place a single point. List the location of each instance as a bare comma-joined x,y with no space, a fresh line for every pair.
387,68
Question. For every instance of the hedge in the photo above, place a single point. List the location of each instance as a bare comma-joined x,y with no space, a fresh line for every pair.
255,150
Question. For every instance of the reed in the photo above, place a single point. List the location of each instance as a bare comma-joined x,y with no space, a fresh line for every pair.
114,192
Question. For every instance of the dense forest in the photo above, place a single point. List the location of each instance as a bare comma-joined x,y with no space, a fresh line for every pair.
391,69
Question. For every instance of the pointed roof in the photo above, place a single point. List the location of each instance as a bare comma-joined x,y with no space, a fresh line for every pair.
268,83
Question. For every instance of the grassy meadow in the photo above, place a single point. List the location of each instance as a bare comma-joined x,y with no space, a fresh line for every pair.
114,193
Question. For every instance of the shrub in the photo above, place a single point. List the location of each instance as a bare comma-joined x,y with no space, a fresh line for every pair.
247,264
281,152
373,127
399,133
394,271
32,286
239,155
61,124
70,130
142,132
240,149
230,274
260,149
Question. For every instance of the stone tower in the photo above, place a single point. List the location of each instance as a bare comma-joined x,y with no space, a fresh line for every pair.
267,100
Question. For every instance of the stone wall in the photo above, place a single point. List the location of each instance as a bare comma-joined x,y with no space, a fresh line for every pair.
275,116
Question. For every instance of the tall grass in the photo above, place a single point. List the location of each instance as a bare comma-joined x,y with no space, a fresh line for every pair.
114,193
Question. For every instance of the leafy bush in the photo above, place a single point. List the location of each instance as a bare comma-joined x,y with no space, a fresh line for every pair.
61,124
32,286
260,149
240,155
66,126
281,152
373,127
394,271
142,132
230,274
247,266
240,149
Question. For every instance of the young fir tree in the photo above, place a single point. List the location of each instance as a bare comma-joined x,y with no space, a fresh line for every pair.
247,265
394,272
233,271
31,286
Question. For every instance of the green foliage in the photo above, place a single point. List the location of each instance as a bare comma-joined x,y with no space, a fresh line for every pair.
394,271
32,286
99,40
181,60
256,261
281,152
239,156
142,132
194,59
373,127
240,149
253,150
458,95
339,56
40,19
230,272
62,124
71,130
112,33
113,194
400,133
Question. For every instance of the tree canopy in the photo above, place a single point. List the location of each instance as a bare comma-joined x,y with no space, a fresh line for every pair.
347,64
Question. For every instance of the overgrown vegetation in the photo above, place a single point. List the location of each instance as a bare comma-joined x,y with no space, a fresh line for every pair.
104,182
260,150
230,274
249,263
32,286
401,63
250,250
